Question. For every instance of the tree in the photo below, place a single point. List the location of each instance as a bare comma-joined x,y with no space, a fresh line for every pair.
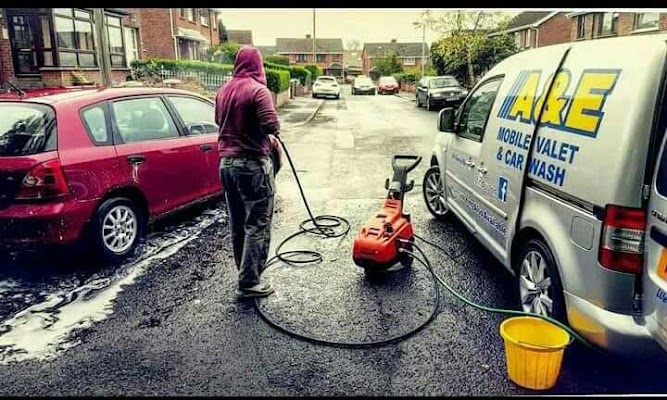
222,32
225,52
465,36
388,65
353,44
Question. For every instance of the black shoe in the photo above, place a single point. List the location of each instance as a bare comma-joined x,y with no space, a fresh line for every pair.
259,290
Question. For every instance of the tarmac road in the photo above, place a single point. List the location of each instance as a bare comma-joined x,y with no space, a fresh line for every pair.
176,329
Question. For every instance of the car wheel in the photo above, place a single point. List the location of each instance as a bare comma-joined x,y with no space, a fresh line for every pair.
337,96
429,107
537,280
418,104
434,194
117,228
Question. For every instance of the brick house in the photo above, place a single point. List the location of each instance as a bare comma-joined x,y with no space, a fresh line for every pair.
328,53
352,62
409,54
267,50
593,25
537,29
46,46
242,37
186,35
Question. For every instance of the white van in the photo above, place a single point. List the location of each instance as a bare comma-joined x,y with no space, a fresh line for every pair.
576,205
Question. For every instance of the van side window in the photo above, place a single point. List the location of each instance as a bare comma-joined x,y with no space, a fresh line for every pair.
473,117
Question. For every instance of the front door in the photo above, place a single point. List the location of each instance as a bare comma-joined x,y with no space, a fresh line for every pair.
198,119
31,41
463,158
163,164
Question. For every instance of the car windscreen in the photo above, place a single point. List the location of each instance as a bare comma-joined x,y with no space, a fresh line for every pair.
387,80
436,83
363,81
26,129
326,79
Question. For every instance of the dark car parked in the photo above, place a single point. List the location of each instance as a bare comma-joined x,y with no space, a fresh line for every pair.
439,91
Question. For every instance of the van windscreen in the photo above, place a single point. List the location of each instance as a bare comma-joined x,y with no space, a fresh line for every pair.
26,129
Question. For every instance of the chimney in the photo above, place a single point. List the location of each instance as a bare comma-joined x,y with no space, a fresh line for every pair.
308,36
393,40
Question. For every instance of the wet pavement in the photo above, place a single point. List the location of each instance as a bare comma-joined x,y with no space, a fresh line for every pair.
167,322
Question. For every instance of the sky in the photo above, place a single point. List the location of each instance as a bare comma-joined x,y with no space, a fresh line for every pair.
365,25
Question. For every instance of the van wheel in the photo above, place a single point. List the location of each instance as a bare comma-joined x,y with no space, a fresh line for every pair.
538,283
434,194
117,228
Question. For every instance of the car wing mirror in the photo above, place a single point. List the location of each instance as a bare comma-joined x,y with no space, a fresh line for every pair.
195,129
446,120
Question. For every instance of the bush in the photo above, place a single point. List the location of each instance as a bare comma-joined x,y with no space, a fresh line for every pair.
275,59
181,65
277,81
315,71
302,74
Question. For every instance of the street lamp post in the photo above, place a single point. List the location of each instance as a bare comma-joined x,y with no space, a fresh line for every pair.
314,56
423,26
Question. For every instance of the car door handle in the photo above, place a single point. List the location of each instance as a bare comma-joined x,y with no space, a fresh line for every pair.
136,159
205,147
482,170
470,163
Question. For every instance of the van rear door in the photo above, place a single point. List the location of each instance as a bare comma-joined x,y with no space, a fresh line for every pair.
655,261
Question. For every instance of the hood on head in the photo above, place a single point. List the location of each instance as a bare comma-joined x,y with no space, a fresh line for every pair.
249,63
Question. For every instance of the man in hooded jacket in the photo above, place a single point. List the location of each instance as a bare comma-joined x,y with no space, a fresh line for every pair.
246,116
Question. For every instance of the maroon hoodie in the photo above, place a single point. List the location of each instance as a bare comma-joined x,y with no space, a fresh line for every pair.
245,102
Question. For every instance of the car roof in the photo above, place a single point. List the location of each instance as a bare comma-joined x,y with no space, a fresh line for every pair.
84,96
326,76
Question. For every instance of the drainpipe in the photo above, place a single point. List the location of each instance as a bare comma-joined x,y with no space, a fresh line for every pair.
173,37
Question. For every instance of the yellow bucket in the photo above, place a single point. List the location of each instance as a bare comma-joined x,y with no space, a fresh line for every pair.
534,351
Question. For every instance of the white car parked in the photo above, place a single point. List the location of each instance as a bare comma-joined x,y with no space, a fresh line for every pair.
326,86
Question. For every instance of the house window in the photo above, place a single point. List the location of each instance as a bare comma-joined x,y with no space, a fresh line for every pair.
321,58
606,23
581,26
31,40
116,45
190,14
301,57
131,44
646,20
409,61
183,12
517,40
204,16
214,17
74,34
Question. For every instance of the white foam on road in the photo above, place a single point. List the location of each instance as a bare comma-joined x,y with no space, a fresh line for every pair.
42,331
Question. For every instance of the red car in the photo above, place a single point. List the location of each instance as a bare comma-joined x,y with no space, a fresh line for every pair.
99,164
387,84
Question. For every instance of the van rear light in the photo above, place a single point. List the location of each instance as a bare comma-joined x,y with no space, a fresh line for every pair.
44,181
622,243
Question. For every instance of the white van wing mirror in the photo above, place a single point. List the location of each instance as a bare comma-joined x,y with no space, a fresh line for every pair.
446,120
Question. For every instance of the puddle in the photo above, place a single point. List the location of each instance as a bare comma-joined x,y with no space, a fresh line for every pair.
43,330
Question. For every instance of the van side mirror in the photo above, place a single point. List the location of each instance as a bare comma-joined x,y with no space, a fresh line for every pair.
446,120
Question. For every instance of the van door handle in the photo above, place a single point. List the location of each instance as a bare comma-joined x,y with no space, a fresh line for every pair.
205,147
136,159
470,163
482,170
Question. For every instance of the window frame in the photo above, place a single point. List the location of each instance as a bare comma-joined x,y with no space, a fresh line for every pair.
118,138
581,26
190,14
204,17
459,114
639,15
320,58
76,50
122,40
414,61
598,22
40,48
301,57
111,137
181,122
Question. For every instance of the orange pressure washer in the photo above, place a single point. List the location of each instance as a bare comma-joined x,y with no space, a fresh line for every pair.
377,247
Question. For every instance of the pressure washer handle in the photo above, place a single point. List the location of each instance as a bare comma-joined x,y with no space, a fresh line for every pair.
407,168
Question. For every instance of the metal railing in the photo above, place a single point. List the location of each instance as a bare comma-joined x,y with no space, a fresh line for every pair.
211,82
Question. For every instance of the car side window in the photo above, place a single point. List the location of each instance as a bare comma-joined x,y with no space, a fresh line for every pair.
94,118
475,113
197,115
143,119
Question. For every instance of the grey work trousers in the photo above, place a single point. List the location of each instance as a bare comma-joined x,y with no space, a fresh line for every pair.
249,190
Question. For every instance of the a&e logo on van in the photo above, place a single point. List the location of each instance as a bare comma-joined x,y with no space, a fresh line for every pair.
503,188
581,112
